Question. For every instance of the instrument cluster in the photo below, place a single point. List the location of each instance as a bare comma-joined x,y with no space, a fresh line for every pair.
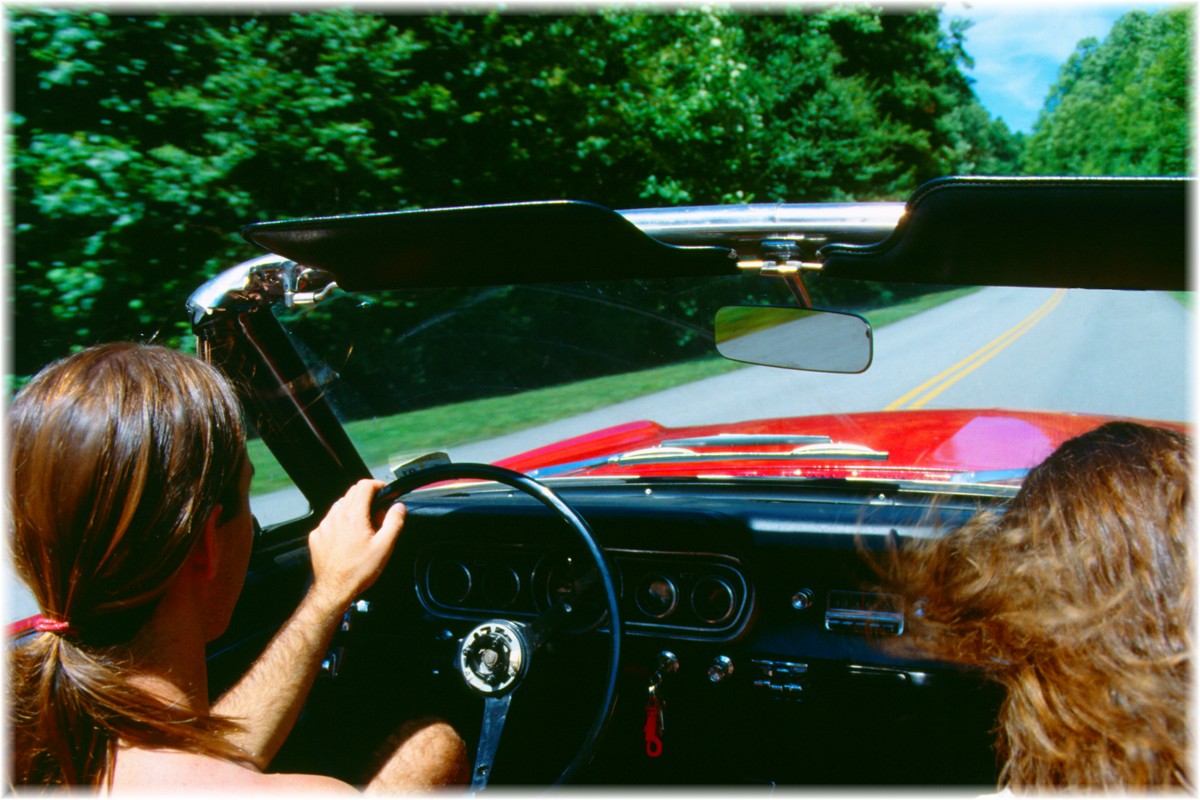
687,595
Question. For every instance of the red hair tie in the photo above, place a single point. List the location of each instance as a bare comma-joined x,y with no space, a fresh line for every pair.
44,625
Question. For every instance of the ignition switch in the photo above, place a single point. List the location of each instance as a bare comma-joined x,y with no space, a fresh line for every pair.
656,706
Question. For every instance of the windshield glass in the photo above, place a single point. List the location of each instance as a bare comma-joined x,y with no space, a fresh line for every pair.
490,372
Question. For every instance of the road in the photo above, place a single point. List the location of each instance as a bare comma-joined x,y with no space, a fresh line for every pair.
1119,353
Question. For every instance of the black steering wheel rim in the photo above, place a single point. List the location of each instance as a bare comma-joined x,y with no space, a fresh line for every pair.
396,490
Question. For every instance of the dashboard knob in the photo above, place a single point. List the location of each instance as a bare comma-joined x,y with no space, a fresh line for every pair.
720,669
802,599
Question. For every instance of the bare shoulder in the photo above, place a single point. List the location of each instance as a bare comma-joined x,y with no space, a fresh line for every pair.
304,783
140,771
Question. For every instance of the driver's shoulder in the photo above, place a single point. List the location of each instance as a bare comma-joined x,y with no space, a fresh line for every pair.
294,782
142,770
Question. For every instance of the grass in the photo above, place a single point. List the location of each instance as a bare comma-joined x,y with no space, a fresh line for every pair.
379,439
880,317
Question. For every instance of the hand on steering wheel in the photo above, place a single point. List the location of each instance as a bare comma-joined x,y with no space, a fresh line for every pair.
494,657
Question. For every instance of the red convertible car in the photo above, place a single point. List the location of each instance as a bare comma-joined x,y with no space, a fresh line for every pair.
645,452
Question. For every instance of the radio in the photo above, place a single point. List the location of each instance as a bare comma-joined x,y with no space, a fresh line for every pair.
864,613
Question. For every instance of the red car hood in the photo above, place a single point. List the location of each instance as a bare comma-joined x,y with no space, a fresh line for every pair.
927,445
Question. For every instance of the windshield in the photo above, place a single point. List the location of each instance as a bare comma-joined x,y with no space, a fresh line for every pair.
488,373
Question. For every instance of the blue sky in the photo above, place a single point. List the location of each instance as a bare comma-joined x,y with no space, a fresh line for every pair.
1019,47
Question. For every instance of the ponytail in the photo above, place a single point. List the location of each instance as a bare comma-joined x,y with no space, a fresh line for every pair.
119,453
72,706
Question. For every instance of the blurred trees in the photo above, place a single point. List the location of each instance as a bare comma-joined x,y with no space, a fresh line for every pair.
141,144
1121,106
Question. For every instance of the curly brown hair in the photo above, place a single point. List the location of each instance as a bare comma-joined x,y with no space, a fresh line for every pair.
1078,601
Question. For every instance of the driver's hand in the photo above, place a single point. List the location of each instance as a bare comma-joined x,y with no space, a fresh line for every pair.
348,550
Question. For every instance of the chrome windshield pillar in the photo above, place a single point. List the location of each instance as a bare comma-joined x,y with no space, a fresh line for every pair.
237,331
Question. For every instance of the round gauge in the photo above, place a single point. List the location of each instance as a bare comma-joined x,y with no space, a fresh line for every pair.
656,595
560,578
448,581
713,600
501,586
556,578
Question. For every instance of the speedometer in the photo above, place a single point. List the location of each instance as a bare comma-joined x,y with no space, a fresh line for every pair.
560,576
656,595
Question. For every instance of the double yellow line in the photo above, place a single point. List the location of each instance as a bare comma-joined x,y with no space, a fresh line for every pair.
944,380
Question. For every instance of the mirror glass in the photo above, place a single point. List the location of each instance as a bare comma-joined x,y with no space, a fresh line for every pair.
795,338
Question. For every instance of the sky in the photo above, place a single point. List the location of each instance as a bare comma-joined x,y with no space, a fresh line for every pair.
1019,47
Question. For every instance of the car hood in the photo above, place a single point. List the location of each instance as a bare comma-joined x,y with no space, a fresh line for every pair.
984,446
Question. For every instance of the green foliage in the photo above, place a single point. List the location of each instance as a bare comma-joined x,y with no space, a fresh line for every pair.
141,144
1121,106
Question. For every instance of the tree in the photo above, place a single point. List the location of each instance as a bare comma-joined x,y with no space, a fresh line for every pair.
1121,106
141,144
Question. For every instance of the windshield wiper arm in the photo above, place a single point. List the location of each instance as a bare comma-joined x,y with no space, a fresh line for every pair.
822,448
747,440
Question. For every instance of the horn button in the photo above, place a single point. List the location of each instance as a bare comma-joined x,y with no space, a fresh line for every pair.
493,657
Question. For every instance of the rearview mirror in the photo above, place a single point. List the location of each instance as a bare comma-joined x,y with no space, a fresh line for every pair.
795,338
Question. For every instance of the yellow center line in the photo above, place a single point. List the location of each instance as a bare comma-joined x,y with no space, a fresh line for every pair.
944,380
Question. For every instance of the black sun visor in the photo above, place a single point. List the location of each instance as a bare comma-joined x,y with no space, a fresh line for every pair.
1095,233
539,242
1108,233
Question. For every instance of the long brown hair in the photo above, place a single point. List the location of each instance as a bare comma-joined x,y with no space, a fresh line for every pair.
118,455
1078,600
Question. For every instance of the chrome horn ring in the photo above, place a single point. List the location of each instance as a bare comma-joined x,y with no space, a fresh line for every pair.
493,657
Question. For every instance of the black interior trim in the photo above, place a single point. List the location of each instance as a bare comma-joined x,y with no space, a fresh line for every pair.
539,242
1098,233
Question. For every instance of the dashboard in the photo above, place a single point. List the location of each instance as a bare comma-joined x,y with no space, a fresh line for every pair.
784,669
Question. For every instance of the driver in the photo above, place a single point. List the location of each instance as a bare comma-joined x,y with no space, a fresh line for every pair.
131,524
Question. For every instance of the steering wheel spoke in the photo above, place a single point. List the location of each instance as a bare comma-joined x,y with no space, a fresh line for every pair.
494,657
548,624
495,713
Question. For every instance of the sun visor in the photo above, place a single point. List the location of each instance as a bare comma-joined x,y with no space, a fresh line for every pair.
538,242
1102,233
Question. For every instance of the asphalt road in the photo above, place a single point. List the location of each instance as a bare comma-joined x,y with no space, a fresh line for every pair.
1119,353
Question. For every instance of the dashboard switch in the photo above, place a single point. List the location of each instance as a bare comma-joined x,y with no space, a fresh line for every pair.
782,679
720,669
358,609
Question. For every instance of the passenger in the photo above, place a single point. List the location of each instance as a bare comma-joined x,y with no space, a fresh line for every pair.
131,524
1078,601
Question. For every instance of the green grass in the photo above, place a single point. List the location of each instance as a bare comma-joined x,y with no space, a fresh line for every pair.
414,432
880,317
1186,299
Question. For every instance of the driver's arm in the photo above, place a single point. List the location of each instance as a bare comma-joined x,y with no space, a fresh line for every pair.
348,553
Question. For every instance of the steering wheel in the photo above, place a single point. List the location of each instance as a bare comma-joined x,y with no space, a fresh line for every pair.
495,656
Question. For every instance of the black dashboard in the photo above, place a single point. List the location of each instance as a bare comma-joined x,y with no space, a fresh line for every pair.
761,595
